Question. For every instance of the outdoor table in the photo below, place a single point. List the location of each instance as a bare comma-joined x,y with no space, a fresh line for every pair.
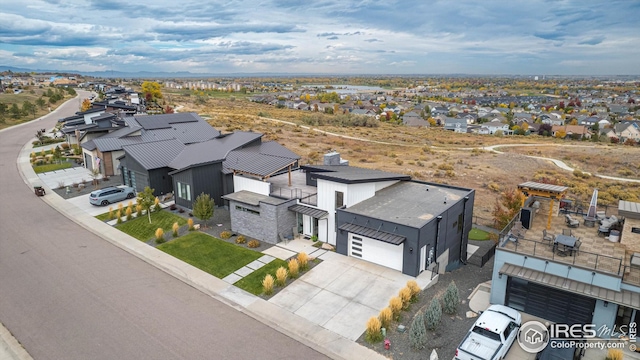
568,242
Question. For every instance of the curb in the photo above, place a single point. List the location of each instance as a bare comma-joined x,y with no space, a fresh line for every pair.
12,346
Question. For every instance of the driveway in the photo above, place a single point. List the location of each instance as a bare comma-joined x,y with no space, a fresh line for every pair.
342,293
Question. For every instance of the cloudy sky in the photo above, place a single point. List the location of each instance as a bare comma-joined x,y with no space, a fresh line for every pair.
583,37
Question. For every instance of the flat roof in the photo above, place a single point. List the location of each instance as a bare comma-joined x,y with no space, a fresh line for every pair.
542,187
410,203
629,209
351,174
251,198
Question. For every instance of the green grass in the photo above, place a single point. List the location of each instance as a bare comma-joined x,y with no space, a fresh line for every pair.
105,216
253,282
477,234
140,228
215,256
51,167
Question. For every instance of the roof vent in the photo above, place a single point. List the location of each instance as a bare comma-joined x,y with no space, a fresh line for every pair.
445,199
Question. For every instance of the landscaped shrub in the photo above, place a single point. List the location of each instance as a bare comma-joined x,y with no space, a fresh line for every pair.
156,204
385,317
121,208
240,239
614,354
190,224
395,304
415,290
433,314
110,212
281,276
294,267
118,217
138,210
253,244
373,333
225,234
303,259
130,204
175,228
451,299
159,236
128,213
267,284
418,332
405,295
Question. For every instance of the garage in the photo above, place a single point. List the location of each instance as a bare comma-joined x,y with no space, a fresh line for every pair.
376,251
549,303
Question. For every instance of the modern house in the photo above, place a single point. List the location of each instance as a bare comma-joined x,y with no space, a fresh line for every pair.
377,216
596,283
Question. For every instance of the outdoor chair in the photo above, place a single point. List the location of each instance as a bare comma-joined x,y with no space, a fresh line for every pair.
608,222
547,237
601,215
571,222
576,247
566,232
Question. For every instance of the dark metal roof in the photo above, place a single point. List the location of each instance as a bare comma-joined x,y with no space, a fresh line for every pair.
373,233
543,187
260,160
150,122
103,116
212,150
308,210
622,297
154,155
90,111
351,174
251,198
80,127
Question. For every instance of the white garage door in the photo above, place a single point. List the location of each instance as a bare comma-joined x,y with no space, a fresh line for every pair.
376,251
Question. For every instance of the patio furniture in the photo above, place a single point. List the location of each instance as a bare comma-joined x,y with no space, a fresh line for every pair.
576,247
547,237
608,222
518,230
635,260
571,222
601,215
568,244
566,232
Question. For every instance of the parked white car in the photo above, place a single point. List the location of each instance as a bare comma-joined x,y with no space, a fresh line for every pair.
492,334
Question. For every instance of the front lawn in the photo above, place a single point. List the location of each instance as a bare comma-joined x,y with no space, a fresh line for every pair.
217,257
140,228
51,167
477,234
253,282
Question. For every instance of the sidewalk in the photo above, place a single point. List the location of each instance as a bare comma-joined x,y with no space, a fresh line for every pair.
10,348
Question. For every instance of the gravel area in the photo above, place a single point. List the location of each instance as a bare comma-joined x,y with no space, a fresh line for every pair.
452,329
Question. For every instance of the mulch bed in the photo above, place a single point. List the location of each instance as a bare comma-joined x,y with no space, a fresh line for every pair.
452,329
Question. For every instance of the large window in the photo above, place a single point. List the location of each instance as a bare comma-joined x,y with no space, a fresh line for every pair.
339,199
184,191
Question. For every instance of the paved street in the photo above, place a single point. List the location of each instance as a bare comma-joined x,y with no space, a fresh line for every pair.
68,294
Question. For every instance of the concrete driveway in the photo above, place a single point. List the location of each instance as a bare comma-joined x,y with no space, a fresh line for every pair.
53,179
342,293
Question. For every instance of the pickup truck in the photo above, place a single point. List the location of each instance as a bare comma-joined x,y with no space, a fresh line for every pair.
491,336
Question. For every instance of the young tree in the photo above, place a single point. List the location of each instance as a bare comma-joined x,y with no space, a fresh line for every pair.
451,299
203,207
86,105
506,207
41,102
146,200
153,88
433,314
418,332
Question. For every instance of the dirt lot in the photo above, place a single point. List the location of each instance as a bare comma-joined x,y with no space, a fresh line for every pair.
436,155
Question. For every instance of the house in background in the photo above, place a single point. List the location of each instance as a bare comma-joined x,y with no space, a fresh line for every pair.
455,124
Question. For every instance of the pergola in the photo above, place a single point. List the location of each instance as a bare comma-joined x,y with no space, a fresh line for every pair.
551,192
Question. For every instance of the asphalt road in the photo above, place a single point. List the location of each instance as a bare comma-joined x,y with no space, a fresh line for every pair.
67,294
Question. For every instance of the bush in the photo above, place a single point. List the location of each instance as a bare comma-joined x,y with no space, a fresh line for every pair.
175,228
451,299
240,239
433,314
253,244
303,260
294,267
281,276
190,224
120,208
225,234
399,162
267,284
385,317
159,236
418,332
395,304
156,205
138,210
405,295
110,212
415,290
118,217
373,333
128,213
614,354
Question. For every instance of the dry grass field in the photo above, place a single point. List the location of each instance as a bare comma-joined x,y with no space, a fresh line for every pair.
436,155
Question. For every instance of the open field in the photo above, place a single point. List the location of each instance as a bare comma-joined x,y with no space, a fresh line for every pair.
30,95
436,155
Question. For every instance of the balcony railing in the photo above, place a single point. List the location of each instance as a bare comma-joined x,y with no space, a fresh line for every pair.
285,193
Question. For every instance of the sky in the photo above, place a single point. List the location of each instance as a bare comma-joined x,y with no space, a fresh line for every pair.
534,37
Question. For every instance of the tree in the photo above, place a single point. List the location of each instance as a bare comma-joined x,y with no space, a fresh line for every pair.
153,88
433,314
86,105
168,110
28,108
561,134
41,102
203,207
146,200
57,153
544,130
506,207
418,332
451,299
15,111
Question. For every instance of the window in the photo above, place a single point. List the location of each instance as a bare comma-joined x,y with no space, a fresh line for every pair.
184,191
339,199
250,211
460,223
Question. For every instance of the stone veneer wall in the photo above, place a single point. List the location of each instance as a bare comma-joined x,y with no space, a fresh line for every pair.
273,219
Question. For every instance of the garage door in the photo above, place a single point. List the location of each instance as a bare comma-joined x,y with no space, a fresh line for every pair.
376,251
549,303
